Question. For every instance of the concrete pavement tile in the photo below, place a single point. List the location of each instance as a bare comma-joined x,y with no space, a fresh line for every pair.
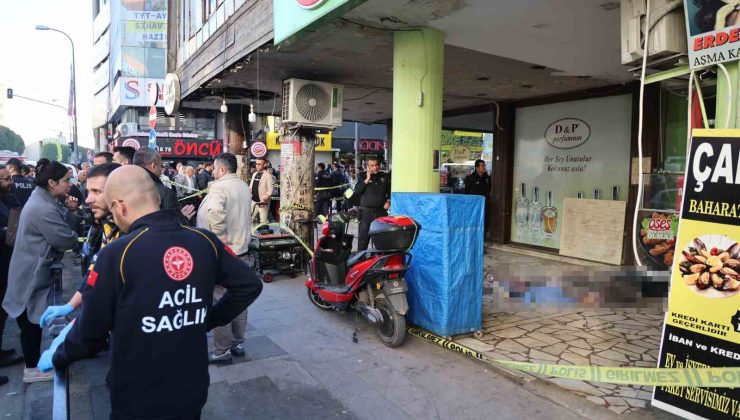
535,354
577,386
530,342
576,359
555,349
511,332
261,347
619,409
580,343
613,355
475,344
615,400
214,372
630,347
580,352
100,398
596,400
512,346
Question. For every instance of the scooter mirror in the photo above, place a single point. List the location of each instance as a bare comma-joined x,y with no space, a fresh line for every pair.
348,193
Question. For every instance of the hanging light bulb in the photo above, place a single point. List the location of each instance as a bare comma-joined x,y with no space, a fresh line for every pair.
224,108
252,115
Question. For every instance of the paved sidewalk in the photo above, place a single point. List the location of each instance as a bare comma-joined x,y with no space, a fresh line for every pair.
560,313
303,363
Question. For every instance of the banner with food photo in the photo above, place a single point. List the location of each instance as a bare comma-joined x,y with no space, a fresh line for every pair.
702,324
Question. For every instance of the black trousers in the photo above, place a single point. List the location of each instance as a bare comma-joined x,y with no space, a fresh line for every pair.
367,215
5,253
30,340
322,206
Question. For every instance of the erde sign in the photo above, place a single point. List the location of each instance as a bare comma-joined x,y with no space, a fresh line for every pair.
567,133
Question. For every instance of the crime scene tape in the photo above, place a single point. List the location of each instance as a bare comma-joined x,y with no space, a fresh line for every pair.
721,377
331,188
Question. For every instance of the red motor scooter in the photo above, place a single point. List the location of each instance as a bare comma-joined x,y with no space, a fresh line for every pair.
370,282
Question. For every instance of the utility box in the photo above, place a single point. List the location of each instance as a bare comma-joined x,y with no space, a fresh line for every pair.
667,36
445,280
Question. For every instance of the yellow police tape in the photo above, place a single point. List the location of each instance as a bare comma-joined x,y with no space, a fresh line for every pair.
721,377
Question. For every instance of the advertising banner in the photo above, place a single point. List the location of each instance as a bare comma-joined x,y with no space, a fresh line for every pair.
272,137
713,32
143,62
702,326
371,148
568,149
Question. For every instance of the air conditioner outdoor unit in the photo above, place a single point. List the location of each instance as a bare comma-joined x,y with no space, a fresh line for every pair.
128,129
667,36
312,104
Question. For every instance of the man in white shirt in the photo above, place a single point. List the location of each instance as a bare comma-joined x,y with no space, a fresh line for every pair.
225,211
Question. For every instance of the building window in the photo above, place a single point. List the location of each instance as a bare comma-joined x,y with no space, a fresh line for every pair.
209,8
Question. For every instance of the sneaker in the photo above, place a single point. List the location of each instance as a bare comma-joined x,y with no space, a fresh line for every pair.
224,357
31,375
238,349
9,360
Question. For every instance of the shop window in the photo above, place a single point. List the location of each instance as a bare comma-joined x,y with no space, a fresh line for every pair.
459,151
675,132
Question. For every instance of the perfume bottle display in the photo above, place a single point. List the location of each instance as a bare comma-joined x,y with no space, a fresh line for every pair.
522,208
535,213
549,217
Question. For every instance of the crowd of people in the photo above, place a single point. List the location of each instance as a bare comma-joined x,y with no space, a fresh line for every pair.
151,286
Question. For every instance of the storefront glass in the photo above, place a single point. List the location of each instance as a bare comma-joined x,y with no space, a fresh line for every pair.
578,149
460,150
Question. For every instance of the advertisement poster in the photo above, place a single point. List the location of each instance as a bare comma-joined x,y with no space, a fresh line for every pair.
702,326
577,149
713,32
272,137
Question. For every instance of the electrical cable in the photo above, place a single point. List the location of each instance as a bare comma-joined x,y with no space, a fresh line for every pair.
362,97
688,118
640,186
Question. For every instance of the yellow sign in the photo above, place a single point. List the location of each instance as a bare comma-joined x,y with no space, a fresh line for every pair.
323,142
702,324
460,154
467,134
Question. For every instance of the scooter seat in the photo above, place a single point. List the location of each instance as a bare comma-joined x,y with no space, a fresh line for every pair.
356,257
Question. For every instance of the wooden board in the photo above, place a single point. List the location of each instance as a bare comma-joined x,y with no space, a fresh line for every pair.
593,230
634,174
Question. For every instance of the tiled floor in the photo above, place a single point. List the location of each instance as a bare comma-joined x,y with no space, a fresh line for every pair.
572,327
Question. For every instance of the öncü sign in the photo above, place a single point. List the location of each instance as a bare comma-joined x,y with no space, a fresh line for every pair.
567,133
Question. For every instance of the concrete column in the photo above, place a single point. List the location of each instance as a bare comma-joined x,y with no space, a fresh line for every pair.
418,72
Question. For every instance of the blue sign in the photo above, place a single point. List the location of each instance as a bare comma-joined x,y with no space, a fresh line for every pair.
152,139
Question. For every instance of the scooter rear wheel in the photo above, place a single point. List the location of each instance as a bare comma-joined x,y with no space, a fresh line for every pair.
393,329
320,303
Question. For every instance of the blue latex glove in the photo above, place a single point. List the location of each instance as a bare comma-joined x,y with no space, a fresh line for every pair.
45,363
53,312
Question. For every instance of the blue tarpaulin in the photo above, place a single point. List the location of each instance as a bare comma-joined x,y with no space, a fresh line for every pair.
445,280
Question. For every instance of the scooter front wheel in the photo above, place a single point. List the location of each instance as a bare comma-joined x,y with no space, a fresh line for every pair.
314,297
392,330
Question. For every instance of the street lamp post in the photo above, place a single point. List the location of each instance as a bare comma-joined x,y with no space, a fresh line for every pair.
75,153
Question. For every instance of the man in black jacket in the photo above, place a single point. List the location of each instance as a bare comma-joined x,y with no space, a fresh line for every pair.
322,179
155,285
150,160
205,176
22,186
374,189
479,183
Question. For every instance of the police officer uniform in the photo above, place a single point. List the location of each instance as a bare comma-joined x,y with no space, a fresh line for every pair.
323,179
373,197
477,184
153,289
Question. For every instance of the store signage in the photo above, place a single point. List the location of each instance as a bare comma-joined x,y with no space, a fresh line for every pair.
372,145
460,154
658,238
291,17
134,91
713,34
323,141
567,133
172,147
702,326
564,149
171,93
258,149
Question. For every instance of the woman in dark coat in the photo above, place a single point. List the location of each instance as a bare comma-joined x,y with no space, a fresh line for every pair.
42,238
